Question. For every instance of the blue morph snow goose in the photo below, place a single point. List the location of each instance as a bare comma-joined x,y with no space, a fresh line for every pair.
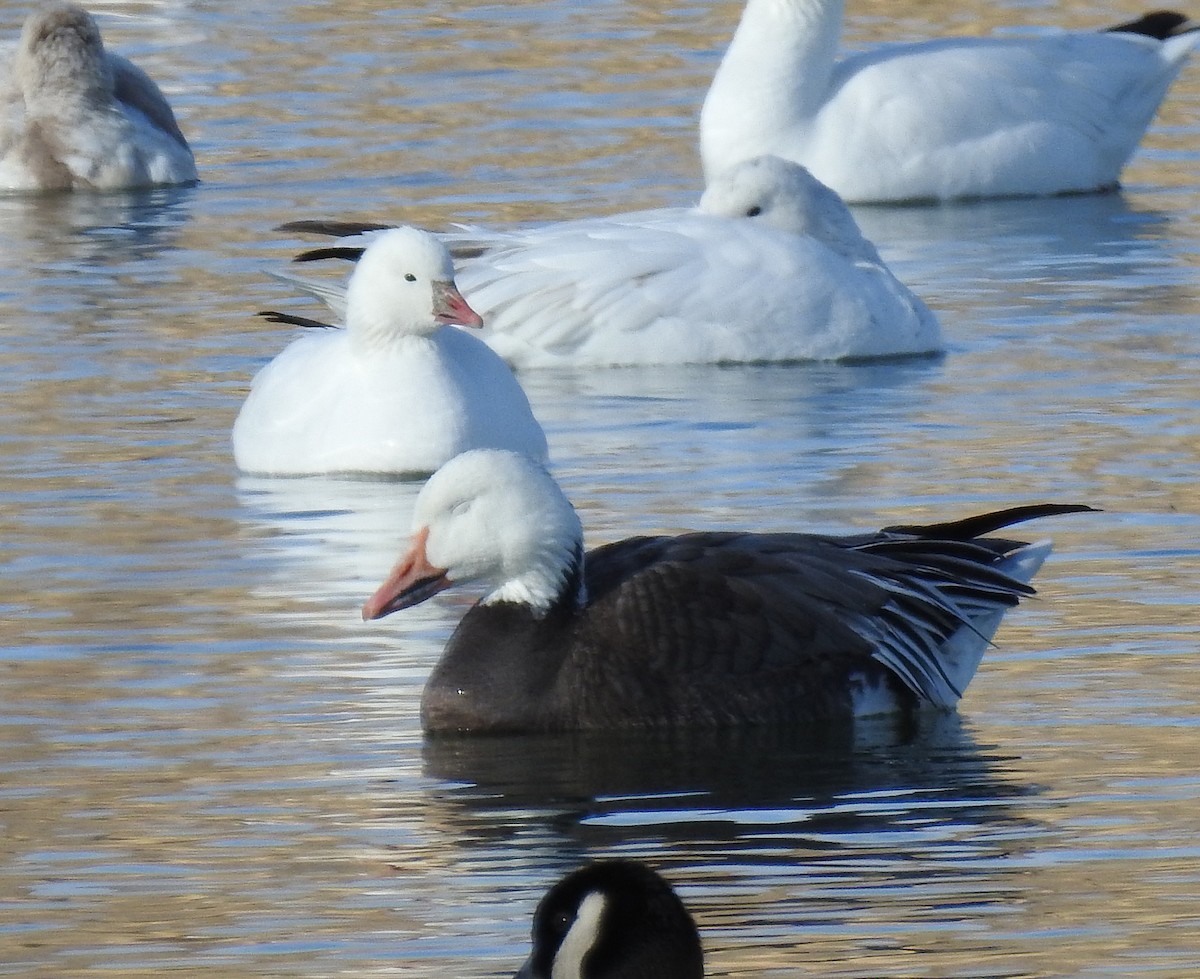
702,630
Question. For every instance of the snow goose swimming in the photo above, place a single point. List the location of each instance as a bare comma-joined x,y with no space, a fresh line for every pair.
1045,113
78,117
769,267
398,391
702,630
613,919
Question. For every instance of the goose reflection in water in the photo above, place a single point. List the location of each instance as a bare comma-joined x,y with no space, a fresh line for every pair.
811,788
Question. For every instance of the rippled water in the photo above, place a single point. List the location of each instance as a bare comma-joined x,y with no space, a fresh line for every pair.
209,765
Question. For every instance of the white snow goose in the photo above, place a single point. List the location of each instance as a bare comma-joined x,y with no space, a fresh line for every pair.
77,117
398,391
769,267
613,919
1044,113
704,629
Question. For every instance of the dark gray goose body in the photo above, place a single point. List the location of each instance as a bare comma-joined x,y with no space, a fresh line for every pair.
704,629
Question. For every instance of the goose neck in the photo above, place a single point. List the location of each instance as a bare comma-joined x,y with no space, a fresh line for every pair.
775,75
556,582
380,335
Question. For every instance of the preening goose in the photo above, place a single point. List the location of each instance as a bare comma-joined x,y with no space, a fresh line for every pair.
1044,113
77,117
704,629
613,919
398,391
769,267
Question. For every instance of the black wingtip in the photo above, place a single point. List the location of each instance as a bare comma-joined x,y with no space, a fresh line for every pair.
986,523
291,319
333,229
1159,24
333,251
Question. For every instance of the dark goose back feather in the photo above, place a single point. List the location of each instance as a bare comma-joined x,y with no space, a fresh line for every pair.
714,629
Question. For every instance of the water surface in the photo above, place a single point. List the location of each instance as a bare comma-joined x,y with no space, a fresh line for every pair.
210,766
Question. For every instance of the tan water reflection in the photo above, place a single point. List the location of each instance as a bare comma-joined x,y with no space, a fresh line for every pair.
209,765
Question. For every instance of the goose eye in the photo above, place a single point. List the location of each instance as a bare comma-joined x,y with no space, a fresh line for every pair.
754,211
461,507
562,921
409,277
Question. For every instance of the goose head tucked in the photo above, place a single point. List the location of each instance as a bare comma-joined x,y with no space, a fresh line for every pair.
62,54
494,517
404,286
784,195
613,919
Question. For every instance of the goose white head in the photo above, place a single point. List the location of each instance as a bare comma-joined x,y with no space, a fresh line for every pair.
785,196
495,517
61,52
404,286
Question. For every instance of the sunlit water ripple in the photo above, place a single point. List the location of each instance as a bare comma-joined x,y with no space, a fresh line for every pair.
210,765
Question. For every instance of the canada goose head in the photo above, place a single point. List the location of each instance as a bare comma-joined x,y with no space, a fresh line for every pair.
613,919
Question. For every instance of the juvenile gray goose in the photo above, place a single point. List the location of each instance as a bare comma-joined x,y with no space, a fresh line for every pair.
703,629
74,116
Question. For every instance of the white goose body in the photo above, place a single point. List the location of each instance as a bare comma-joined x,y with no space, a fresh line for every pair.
76,117
398,391
769,267
1046,113
701,630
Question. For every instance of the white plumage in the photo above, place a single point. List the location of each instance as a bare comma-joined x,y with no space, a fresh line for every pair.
398,391
769,267
1044,113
